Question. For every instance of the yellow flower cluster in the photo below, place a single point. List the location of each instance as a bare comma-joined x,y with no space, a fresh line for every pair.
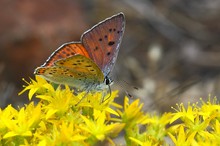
199,124
62,117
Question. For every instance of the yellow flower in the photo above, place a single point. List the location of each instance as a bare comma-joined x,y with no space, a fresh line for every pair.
183,138
209,108
95,101
145,143
34,86
132,114
186,115
216,131
73,119
23,123
156,126
63,118
98,128
58,101
65,133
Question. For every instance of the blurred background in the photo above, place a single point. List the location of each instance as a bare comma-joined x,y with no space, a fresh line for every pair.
170,49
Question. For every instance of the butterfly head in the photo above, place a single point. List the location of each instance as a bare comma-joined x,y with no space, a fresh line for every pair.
108,81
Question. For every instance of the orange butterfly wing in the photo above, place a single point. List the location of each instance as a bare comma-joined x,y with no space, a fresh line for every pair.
103,40
65,51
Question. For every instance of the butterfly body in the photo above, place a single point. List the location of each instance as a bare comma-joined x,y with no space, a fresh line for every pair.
86,65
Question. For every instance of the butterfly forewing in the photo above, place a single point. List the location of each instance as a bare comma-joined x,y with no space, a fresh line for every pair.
65,51
103,40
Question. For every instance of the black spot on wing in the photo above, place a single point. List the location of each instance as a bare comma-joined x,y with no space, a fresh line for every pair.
96,48
111,43
108,53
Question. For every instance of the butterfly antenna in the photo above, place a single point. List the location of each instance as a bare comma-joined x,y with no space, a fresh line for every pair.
129,85
120,84
110,94
126,91
110,91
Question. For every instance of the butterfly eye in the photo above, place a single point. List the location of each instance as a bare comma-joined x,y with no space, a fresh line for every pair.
108,81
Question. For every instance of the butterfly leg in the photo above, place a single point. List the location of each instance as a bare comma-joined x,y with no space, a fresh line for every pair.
87,89
110,91
82,98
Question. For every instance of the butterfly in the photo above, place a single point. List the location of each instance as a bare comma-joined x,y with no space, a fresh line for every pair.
86,64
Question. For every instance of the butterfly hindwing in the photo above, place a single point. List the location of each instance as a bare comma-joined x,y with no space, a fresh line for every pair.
81,63
75,70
